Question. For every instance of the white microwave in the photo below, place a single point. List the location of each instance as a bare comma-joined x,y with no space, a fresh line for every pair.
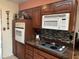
56,21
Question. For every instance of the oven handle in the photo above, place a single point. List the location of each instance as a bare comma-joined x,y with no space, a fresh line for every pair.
19,27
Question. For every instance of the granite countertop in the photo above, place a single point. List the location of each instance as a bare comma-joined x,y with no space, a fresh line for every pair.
66,55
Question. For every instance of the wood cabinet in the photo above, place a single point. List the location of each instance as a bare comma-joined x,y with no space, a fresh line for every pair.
29,52
37,56
14,48
58,7
63,6
28,12
33,53
28,57
14,42
20,51
43,55
19,47
46,9
36,18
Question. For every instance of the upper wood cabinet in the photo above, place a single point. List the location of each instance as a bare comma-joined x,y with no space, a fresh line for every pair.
29,12
47,9
63,6
58,7
36,18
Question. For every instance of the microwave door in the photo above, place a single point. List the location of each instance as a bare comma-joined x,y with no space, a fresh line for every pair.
55,23
50,23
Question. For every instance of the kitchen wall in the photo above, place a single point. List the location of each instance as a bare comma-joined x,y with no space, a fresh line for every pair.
13,8
34,3
7,34
0,38
77,23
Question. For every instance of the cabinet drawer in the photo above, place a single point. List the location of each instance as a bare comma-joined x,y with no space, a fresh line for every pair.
28,56
29,47
45,54
29,52
37,56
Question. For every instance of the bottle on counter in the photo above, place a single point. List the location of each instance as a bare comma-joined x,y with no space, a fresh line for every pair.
37,39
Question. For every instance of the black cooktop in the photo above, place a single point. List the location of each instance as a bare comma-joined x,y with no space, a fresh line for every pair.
53,47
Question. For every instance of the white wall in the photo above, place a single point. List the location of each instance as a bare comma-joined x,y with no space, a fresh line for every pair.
0,37
7,34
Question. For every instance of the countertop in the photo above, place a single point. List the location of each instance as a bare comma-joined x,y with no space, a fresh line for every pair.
66,55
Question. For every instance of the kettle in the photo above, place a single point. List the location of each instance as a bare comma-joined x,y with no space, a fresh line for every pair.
77,35
77,41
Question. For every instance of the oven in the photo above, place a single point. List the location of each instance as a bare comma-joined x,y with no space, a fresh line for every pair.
20,32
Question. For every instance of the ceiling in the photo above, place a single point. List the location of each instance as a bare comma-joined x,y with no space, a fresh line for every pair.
18,1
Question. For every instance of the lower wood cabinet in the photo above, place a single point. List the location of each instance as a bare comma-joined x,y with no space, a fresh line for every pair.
43,55
29,52
37,56
20,51
14,48
28,56
33,53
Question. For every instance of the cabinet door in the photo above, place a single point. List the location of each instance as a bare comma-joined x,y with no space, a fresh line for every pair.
36,17
29,52
46,9
13,39
64,6
43,55
38,56
14,47
28,12
29,56
20,51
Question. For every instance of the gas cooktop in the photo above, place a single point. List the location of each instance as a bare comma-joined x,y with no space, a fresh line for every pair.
53,47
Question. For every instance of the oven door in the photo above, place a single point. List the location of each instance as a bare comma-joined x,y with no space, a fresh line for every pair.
20,35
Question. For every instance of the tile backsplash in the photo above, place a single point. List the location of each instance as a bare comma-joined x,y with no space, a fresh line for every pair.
56,34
